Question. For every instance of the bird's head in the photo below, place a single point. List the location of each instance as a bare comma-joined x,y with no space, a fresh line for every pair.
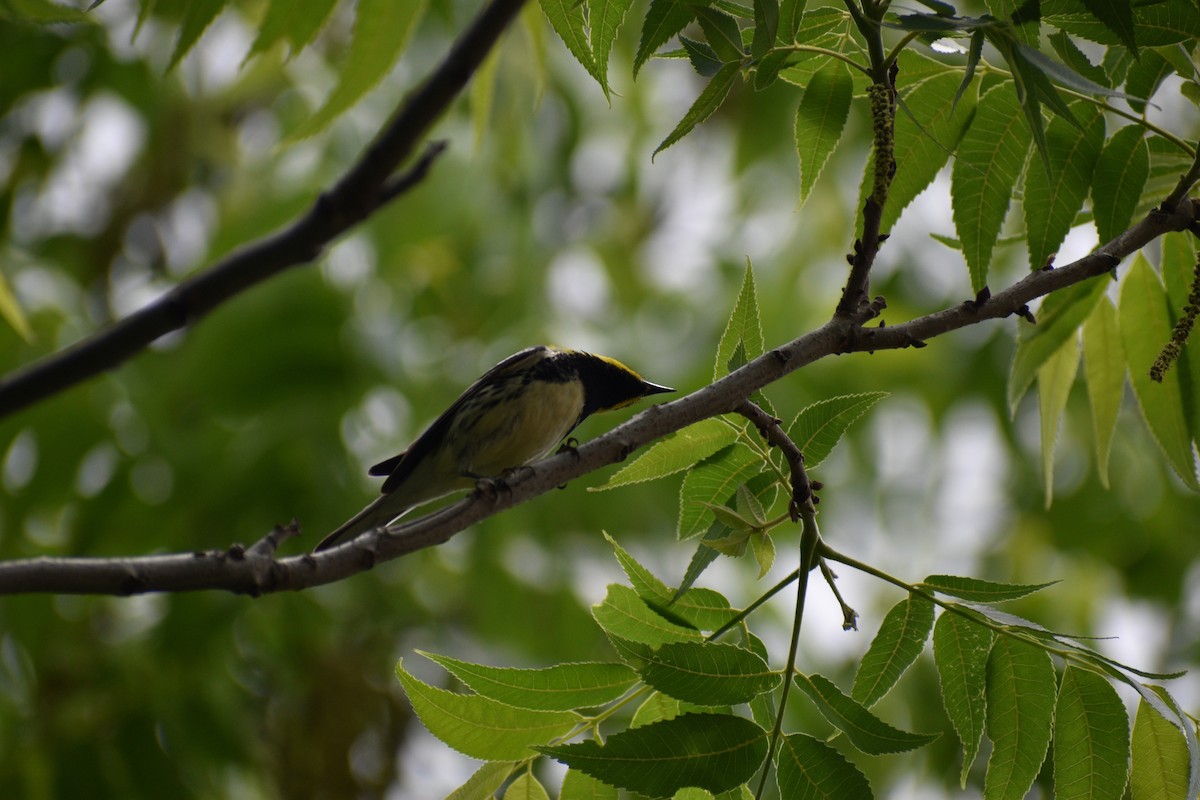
608,384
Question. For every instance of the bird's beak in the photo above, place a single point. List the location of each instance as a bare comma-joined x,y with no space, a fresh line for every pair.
649,388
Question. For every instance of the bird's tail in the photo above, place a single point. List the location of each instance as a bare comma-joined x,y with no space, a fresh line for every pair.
380,512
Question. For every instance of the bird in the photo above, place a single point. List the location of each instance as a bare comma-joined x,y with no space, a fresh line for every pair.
517,412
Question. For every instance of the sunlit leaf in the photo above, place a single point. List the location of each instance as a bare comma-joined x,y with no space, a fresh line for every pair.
577,785
1020,712
708,673
1104,369
484,782
1120,175
818,428
901,638
1091,738
1159,766
625,615
673,454
709,101
820,119
559,688
713,481
664,19
1055,379
526,787
810,768
865,731
960,650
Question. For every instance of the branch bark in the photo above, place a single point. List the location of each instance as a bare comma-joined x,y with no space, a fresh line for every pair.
255,570
366,187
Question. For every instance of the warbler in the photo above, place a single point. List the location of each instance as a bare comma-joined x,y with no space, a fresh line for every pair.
513,415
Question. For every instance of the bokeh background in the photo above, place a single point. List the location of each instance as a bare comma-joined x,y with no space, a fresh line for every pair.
547,221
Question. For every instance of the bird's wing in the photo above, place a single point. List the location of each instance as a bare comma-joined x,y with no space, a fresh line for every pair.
399,467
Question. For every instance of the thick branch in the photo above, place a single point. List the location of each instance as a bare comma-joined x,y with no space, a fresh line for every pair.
366,187
254,571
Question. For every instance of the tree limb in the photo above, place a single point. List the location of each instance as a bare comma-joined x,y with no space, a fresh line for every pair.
256,571
365,188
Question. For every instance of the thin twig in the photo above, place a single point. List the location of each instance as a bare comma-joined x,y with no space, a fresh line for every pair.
366,187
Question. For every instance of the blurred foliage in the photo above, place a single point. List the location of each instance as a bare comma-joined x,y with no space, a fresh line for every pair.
118,176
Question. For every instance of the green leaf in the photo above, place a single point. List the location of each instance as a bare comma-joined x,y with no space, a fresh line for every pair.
298,23
197,16
1020,713
809,768
710,751
684,449
709,101
1075,58
1117,184
986,169
763,547
560,688
721,32
625,615
382,29
713,481
580,786
705,609
1159,758
1055,379
43,12
744,327
605,17
10,309
865,731
1104,369
900,639
791,15
526,787
664,19
1145,327
1091,738
1144,77
1154,24
480,727
818,428
1117,16
708,673
644,582
766,26
1052,200
567,19
482,785
960,651
1179,270
1060,316
820,119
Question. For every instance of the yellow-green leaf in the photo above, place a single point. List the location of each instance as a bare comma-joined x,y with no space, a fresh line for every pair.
1055,379
1104,370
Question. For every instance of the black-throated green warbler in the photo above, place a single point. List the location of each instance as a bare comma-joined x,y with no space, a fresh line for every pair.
513,415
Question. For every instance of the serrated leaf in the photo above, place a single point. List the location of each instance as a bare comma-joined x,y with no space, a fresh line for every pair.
721,32
817,429
820,119
643,581
711,751
713,481
664,19
579,786
808,768
684,449
559,688
1055,379
1091,738
900,639
484,782
708,673
382,29
1154,24
298,23
10,309
1104,369
763,547
986,168
1144,77
1020,713
625,615
566,17
526,787
791,15
605,18
766,26
1159,758
1117,16
1052,199
865,731
960,651
743,328
480,727
197,16
705,609
1145,326
1075,58
1120,176
703,58
709,101
1060,316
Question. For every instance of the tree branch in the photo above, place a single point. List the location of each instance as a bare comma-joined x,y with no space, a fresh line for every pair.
365,188
256,571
